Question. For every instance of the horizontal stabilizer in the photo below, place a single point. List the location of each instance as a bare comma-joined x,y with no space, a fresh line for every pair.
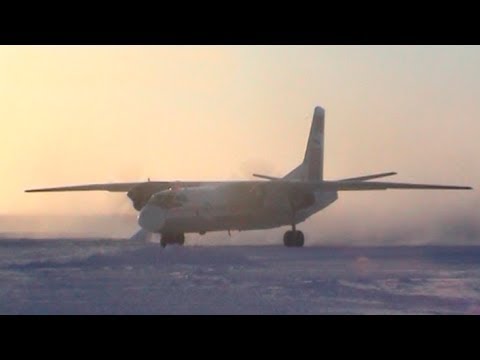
266,177
369,177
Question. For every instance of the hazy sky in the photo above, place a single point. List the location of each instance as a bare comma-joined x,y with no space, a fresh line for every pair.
81,114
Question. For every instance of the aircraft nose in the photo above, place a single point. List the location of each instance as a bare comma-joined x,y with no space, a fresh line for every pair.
151,218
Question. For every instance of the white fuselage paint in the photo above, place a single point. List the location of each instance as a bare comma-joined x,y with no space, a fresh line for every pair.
225,207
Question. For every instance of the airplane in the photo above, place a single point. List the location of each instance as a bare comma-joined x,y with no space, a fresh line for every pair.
174,208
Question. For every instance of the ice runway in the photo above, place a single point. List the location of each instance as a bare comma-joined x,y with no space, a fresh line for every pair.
61,276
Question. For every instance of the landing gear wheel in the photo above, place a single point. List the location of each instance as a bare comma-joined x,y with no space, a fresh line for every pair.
299,239
180,239
293,239
287,239
169,239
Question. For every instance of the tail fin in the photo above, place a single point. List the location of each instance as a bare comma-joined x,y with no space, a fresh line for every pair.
312,167
314,154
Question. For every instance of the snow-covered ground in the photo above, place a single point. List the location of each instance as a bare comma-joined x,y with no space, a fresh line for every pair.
65,276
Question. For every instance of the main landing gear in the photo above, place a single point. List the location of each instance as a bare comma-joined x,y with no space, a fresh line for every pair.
170,239
293,238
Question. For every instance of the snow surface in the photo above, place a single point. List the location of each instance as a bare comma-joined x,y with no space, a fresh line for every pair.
66,276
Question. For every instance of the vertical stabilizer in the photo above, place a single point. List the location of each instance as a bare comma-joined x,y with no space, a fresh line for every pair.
312,167
314,153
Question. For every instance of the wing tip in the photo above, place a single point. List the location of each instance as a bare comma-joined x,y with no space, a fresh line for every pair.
462,188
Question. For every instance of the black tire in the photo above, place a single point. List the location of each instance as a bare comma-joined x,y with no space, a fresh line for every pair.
293,239
299,239
287,238
167,239
180,239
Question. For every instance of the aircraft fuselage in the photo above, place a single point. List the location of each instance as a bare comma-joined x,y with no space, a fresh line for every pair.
227,207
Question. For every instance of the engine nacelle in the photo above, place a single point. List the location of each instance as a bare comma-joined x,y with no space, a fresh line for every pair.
141,193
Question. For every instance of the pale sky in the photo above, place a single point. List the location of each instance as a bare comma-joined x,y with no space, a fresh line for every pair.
82,114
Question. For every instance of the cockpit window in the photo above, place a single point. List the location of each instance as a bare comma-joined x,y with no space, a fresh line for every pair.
168,200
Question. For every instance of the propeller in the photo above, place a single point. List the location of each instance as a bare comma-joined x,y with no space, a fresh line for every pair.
141,235
144,235
123,206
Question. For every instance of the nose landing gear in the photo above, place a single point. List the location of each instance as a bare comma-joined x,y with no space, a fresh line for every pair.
170,239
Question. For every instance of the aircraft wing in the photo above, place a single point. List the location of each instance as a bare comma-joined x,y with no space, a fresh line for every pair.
126,187
112,187
341,185
373,185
